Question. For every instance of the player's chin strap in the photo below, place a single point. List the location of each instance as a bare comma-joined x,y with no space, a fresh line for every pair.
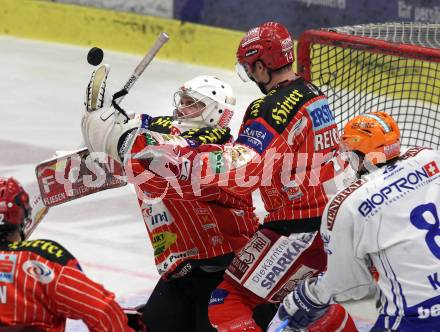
262,85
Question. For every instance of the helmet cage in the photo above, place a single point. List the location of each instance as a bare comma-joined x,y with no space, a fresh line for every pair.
195,97
215,95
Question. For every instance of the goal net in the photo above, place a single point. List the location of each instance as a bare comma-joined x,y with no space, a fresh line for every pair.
391,67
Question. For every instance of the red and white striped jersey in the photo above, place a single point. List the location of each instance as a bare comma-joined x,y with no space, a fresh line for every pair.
287,147
204,229
196,232
41,285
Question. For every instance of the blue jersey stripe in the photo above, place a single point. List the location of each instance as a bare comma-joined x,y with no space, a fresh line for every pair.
392,285
399,285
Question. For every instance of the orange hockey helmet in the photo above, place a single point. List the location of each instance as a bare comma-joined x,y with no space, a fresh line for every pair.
372,132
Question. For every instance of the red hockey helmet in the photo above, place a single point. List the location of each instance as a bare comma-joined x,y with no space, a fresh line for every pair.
15,210
270,43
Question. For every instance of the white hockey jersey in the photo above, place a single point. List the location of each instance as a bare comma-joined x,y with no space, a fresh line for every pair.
390,217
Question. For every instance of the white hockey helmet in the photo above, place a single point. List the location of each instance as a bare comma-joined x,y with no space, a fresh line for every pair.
217,99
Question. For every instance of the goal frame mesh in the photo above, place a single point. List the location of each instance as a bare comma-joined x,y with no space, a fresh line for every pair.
422,127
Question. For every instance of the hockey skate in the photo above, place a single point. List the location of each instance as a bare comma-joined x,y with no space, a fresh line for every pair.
96,89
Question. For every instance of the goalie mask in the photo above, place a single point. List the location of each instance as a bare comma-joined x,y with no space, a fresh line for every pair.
204,101
15,210
374,135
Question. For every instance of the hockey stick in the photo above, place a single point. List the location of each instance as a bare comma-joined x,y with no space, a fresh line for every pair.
40,208
140,68
161,40
282,326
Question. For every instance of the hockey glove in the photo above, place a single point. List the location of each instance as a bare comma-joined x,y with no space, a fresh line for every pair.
102,126
134,317
299,310
96,95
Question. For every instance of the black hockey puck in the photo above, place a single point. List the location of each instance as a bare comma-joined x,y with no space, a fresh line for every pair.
95,56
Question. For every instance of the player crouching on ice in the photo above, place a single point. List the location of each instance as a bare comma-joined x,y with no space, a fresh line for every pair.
194,238
41,283
388,217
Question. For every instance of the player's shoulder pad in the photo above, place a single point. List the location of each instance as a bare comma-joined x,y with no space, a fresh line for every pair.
208,135
161,124
281,104
48,249
342,198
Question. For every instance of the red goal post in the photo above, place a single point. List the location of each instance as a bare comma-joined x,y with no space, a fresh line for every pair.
391,67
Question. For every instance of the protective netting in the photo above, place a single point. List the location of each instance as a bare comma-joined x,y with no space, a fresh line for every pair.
358,81
421,34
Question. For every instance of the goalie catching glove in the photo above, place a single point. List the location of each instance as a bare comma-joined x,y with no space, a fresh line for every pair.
103,126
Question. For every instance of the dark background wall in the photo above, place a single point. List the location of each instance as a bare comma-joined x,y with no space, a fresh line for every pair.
299,15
